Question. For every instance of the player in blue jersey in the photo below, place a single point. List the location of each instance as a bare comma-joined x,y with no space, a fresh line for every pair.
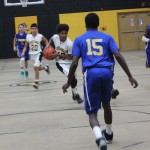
146,39
18,45
96,50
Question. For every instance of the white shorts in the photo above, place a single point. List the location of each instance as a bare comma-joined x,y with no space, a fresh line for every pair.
37,58
64,67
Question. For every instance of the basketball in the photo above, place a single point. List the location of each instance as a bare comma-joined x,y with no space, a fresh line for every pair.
49,52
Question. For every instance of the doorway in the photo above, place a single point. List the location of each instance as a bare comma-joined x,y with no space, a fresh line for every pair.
131,29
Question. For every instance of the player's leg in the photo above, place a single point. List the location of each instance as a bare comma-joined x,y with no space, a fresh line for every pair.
147,58
26,64
114,92
36,66
36,82
64,68
46,67
92,94
107,88
75,94
108,133
22,60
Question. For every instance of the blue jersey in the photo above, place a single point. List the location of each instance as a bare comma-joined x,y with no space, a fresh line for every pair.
21,38
96,49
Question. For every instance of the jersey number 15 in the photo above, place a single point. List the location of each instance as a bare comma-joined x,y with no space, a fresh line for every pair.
92,44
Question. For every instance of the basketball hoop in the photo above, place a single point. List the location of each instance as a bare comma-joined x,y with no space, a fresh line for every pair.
24,3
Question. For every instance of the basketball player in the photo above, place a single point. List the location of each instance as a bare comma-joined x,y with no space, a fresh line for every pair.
18,45
146,39
95,49
63,47
33,40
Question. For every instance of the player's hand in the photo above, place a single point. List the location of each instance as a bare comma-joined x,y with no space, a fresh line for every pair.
133,82
15,49
65,87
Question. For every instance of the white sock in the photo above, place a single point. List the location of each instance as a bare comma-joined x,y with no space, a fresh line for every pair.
36,81
45,67
22,70
97,132
22,62
74,90
108,129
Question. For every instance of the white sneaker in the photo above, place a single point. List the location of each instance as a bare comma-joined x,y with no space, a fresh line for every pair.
47,70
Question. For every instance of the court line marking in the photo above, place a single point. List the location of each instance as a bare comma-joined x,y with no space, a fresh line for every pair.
131,145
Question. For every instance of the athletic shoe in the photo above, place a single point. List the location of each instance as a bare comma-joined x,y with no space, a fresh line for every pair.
101,143
22,74
114,94
47,70
36,85
108,137
76,97
26,74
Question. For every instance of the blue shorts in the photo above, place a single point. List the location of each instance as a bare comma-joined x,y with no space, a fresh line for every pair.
97,88
26,56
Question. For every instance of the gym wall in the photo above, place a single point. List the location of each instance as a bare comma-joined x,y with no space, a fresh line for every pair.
48,17
108,21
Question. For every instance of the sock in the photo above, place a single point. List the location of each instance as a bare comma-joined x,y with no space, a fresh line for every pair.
97,132
22,70
74,90
108,129
45,67
26,69
36,81
22,62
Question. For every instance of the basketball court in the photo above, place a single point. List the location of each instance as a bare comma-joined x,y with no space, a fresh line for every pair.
47,119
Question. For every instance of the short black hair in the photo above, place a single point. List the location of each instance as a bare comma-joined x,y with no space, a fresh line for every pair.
92,20
62,27
34,25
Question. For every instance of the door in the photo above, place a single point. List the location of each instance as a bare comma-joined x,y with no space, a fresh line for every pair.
131,29
128,38
143,21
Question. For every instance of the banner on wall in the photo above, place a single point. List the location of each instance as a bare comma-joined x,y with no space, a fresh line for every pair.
26,21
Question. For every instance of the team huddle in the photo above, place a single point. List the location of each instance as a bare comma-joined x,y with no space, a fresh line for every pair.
97,51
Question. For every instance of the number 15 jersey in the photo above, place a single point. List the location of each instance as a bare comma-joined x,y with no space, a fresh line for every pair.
96,49
34,43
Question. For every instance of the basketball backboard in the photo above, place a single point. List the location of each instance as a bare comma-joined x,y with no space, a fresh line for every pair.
17,2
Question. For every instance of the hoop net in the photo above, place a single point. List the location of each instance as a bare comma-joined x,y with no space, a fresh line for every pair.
24,3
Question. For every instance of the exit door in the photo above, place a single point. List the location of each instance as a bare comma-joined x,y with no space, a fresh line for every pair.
131,29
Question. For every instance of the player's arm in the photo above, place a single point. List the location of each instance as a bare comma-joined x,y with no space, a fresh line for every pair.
51,43
25,48
44,39
120,59
14,43
72,71
145,39
67,56
145,36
